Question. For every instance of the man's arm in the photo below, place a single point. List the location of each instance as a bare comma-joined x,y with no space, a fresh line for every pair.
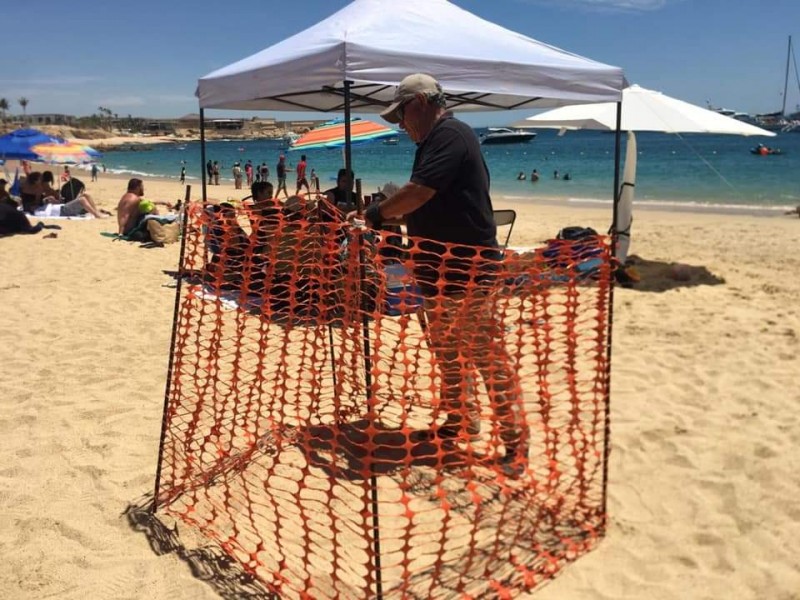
407,199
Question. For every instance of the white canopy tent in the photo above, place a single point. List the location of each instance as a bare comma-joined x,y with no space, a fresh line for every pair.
353,60
642,110
375,43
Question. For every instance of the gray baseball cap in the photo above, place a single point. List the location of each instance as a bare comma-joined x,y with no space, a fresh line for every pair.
418,83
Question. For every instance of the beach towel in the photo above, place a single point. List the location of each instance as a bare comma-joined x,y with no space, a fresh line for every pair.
227,300
53,211
141,232
16,187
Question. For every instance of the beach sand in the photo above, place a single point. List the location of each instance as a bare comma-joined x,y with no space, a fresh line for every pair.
703,493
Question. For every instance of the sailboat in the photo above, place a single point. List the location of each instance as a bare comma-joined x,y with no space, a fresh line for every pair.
779,121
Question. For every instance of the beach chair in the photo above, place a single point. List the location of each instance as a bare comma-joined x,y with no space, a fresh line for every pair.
503,218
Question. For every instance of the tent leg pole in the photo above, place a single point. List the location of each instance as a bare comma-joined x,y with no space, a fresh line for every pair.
348,164
183,220
203,153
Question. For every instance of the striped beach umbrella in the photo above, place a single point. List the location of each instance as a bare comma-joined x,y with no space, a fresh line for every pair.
331,134
17,144
64,153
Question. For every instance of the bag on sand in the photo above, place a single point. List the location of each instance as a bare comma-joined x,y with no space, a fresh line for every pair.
164,233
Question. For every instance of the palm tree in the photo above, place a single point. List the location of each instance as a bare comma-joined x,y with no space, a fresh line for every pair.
4,106
105,116
23,102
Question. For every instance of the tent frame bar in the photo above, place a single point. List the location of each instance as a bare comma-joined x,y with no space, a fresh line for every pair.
454,100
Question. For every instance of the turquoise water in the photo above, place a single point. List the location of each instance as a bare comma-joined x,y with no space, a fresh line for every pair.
706,169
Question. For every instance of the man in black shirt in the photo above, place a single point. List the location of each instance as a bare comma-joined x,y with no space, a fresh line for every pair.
447,201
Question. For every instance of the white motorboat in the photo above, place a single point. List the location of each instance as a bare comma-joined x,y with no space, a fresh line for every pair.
504,135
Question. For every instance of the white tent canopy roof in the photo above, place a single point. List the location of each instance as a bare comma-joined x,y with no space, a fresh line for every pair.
643,110
375,43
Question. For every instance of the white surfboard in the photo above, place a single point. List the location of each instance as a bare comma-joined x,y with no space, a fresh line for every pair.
625,206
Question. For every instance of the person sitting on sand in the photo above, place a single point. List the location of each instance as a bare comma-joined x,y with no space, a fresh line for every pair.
342,196
14,221
131,211
128,215
5,196
263,212
31,192
75,203
228,244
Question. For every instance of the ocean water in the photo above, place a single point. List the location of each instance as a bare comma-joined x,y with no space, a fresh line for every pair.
714,170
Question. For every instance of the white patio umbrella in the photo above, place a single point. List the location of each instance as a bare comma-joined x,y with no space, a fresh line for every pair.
642,110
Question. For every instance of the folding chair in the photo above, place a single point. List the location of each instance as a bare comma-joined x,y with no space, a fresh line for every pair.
503,218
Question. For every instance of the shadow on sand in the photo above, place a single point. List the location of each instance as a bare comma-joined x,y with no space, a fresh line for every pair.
207,563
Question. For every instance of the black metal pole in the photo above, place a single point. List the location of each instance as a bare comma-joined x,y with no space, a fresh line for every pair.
348,154
173,338
203,153
614,235
367,360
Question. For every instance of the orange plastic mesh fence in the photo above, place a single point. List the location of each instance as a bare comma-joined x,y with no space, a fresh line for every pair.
354,414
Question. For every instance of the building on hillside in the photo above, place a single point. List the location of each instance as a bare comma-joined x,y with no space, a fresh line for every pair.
50,119
190,121
301,126
233,124
159,126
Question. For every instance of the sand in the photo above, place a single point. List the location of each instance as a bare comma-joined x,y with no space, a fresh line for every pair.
705,389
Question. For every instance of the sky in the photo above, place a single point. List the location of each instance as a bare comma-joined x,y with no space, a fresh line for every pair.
144,58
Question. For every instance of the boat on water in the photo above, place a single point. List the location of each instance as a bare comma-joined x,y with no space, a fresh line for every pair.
762,150
504,135
289,138
390,141
779,121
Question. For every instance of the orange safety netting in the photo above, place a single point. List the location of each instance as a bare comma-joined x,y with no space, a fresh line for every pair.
354,414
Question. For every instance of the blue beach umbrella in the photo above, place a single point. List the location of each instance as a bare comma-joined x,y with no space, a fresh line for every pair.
17,144
37,146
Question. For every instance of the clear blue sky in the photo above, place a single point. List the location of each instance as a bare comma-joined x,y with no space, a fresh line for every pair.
144,57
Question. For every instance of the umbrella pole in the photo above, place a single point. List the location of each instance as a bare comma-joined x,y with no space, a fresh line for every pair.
614,225
348,164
